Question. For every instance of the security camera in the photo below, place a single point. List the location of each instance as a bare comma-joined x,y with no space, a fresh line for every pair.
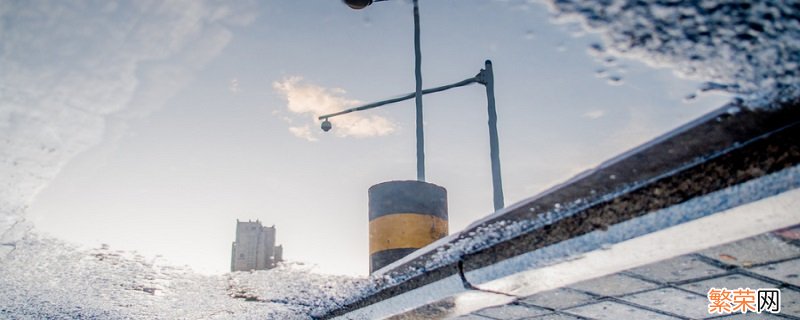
326,125
357,4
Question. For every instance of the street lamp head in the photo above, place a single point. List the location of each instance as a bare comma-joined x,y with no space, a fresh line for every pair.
357,4
326,125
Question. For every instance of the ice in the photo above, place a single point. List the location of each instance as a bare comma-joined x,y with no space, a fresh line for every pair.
60,85
751,49
615,80
44,278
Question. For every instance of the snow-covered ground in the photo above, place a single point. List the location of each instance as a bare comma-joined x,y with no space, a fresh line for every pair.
45,278
750,49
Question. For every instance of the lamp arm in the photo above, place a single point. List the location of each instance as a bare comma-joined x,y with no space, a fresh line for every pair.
401,98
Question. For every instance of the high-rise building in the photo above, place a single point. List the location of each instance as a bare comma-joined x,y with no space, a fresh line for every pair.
254,248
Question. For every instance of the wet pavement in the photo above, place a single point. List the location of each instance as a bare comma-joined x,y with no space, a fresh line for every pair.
674,289
636,229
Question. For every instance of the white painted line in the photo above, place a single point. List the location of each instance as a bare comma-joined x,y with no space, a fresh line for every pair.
745,210
741,222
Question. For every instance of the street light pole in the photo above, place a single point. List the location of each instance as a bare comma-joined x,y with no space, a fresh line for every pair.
418,96
487,75
484,77
361,4
418,208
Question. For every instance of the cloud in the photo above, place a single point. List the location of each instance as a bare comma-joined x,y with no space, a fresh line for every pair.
312,100
303,132
74,72
233,87
594,114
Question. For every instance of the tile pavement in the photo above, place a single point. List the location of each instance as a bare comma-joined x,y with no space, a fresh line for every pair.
786,271
558,299
674,288
608,310
614,285
672,301
677,269
512,312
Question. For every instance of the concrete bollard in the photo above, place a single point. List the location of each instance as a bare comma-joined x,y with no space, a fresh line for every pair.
403,217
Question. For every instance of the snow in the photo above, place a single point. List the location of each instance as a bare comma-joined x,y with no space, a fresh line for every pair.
785,183
744,210
748,48
752,49
44,278
450,249
63,88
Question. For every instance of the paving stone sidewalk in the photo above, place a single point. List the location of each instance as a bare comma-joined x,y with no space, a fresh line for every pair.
676,288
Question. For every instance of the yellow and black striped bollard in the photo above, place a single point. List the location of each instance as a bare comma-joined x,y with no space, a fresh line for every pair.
403,217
